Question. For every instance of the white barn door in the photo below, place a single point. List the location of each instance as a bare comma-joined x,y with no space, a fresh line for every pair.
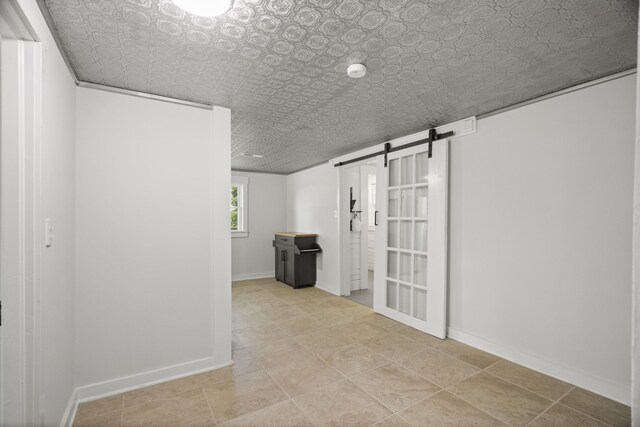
411,245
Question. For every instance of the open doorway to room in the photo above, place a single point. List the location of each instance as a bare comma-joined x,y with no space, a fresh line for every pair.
410,235
360,183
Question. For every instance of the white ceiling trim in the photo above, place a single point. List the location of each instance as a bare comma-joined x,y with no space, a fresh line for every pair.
560,92
144,95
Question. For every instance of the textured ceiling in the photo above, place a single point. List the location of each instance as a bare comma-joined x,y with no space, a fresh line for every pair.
280,65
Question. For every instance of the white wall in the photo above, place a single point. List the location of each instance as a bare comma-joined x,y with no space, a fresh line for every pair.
145,169
540,235
312,205
252,256
58,177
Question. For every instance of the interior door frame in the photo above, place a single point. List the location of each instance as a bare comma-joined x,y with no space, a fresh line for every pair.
344,219
21,242
364,246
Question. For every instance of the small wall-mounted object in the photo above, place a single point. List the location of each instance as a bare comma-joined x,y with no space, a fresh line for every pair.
354,214
295,258
352,201
48,233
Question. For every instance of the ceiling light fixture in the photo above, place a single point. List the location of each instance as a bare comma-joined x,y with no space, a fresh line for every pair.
356,71
257,156
207,8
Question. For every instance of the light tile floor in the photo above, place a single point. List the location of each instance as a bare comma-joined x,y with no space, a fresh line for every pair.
306,357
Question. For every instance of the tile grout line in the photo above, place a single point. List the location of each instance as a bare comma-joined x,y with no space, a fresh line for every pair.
288,396
502,378
466,401
472,375
448,356
403,418
385,406
584,413
388,362
104,412
375,423
272,379
558,402
462,361
525,388
442,390
122,411
433,381
572,387
509,382
553,403
206,398
474,406
391,362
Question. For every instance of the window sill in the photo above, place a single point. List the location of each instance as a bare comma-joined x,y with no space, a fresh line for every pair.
239,233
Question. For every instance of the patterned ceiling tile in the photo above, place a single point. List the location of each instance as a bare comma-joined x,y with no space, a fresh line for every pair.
280,65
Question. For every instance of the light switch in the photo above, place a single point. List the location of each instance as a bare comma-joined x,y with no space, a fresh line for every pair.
48,232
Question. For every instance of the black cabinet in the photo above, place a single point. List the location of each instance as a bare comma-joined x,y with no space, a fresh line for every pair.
295,258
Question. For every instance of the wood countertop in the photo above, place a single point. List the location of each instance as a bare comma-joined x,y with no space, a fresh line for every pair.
295,234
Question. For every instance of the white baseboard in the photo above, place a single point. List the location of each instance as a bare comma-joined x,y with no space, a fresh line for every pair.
323,288
252,276
133,382
615,391
70,412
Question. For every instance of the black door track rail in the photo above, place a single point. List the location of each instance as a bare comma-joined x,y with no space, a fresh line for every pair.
433,136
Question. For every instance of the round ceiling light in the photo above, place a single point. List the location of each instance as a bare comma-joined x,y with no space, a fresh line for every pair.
207,8
356,71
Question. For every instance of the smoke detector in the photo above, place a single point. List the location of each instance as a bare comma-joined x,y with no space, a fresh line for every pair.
356,71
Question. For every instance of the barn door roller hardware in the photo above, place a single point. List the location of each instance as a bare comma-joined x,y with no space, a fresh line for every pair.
433,136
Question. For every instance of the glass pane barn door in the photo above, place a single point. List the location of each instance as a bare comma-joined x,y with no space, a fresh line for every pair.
412,289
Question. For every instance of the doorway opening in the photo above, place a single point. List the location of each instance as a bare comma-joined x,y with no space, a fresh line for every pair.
360,183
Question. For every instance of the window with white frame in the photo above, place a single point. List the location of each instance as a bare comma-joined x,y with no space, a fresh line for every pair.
239,206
